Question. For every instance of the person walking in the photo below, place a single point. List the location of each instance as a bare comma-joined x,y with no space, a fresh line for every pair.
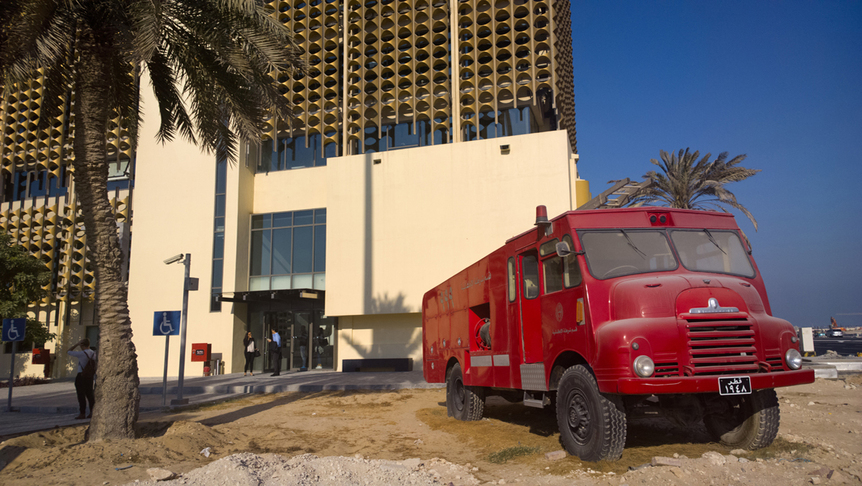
250,352
84,381
275,352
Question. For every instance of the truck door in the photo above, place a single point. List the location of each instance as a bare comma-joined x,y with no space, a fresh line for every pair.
531,310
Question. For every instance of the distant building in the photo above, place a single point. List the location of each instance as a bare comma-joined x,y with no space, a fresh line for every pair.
426,134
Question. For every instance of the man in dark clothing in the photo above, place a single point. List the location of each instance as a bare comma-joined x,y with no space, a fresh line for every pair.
83,384
275,352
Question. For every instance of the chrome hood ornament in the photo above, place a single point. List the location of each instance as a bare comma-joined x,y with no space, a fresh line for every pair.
712,307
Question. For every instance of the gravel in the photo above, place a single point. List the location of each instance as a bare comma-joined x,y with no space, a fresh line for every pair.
247,469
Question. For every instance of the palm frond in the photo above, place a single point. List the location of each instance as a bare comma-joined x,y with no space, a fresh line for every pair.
688,183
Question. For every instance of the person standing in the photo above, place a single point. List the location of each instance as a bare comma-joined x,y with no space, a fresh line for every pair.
250,350
275,352
83,384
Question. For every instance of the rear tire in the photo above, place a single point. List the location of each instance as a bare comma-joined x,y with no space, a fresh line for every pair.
745,421
463,402
592,425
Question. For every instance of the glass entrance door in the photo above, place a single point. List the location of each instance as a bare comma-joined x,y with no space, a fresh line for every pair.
307,339
313,337
280,321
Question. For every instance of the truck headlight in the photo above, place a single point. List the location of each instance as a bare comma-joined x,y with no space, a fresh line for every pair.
644,366
793,359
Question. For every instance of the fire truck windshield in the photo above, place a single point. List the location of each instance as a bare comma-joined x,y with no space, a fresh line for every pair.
615,253
714,251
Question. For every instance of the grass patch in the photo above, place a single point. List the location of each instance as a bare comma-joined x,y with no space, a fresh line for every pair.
500,457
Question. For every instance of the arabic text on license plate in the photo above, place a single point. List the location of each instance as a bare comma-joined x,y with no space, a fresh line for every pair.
736,385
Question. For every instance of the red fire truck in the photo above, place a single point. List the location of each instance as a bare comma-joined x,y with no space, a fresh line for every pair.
611,314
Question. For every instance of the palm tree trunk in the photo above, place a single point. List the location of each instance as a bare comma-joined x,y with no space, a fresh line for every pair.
117,394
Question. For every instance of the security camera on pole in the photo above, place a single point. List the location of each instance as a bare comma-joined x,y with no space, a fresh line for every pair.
188,284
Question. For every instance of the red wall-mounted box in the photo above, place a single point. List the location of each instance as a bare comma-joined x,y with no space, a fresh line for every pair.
41,356
201,351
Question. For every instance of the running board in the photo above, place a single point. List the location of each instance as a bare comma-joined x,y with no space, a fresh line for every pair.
532,401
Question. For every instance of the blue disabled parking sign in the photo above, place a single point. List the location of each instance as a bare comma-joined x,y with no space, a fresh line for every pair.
13,329
166,323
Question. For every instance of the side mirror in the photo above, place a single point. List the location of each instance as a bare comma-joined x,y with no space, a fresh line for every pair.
563,249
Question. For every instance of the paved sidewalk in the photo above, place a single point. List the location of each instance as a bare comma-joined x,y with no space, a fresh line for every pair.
42,407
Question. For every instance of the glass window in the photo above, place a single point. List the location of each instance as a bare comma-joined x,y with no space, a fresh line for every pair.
260,253
258,283
259,221
319,216
571,271
625,252
281,251
281,282
291,248
549,247
552,269
218,235
713,251
303,217
530,269
218,245
280,220
320,248
303,249
217,273
512,280
304,281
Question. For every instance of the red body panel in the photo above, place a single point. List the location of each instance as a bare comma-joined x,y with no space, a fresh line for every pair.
653,314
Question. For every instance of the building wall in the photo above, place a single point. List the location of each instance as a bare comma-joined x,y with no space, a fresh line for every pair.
398,227
173,213
381,336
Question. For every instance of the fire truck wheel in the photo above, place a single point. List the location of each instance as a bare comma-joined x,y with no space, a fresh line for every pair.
745,421
462,402
592,425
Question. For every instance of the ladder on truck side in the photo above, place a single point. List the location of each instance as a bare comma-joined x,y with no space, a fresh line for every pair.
616,196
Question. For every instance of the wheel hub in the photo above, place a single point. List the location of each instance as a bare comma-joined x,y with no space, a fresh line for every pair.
579,417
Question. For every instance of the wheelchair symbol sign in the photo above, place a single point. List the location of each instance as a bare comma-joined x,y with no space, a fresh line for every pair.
166,323
13,329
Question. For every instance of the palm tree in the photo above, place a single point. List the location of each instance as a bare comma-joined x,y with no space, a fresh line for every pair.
213,55
686,183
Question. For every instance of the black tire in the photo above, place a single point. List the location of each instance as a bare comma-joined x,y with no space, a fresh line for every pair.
745,421
462,402
592,425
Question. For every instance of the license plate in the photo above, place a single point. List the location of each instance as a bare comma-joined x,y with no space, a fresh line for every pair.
736,385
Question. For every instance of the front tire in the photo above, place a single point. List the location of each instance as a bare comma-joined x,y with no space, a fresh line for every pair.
592,425
746,421
462,402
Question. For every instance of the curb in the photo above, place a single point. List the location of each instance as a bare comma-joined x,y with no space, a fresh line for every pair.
251,389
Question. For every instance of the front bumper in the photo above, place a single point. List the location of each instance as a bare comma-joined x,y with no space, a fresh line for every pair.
703,384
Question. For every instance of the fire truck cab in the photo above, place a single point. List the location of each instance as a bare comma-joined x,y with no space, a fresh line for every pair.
607,314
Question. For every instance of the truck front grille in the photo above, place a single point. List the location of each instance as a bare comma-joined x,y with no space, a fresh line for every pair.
720,347
666,370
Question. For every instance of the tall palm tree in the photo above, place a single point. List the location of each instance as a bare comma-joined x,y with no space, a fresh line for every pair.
214,56
686,183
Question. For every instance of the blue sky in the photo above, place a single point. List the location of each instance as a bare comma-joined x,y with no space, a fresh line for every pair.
778,81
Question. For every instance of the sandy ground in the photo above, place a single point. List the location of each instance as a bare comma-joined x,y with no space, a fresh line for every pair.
819,442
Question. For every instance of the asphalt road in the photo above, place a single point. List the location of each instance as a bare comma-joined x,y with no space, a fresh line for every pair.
842,346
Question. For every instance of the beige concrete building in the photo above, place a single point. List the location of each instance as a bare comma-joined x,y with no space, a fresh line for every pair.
426,133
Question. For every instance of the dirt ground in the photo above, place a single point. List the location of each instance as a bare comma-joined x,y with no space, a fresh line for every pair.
819,442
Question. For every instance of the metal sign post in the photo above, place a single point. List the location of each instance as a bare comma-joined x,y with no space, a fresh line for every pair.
13,330
166,323
188,284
